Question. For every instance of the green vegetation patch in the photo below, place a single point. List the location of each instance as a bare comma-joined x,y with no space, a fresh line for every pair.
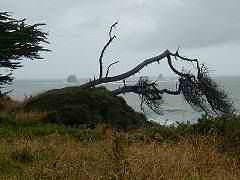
86,108
13,127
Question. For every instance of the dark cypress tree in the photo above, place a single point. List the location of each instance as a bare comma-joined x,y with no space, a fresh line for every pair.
18,41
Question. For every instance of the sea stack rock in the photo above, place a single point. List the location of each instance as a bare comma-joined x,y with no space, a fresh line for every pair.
72,79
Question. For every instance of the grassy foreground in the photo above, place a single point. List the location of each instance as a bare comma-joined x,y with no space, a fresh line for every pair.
33,148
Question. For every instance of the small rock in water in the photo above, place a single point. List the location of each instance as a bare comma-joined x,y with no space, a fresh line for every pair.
72,79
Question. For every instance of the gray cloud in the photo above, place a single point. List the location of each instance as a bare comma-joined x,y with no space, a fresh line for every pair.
148,24
78,30
193,24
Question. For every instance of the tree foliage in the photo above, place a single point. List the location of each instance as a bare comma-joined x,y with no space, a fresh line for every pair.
18,40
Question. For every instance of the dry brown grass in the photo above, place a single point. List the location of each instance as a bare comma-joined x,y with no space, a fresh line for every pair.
30,117
63,157
8,104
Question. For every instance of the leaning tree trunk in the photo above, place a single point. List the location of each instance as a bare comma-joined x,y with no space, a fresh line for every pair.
200,91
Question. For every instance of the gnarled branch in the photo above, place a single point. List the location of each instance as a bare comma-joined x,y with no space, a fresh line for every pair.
108,68
128,73
111,38
136,89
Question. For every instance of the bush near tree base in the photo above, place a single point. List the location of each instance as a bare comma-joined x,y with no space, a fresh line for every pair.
86,107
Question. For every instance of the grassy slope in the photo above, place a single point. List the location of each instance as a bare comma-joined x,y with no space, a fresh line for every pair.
30,148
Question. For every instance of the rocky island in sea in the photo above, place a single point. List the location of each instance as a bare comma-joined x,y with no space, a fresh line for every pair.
72,78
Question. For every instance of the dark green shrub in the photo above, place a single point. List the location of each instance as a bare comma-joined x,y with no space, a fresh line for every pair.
74,106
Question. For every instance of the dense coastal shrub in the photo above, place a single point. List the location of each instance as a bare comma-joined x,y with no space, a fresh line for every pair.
86,108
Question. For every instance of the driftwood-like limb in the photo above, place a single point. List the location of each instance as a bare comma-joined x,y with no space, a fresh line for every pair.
166,54
136,89
172,67
176,55
109,66
128,73
111,38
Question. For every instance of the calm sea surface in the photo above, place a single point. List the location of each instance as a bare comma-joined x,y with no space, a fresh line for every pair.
174,108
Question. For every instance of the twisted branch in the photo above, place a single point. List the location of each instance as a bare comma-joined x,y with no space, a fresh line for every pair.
109,66
111,38
128,73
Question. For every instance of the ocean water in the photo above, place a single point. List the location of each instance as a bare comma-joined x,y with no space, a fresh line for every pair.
174,107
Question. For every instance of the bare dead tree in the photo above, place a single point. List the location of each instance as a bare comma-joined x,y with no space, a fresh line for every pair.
200,91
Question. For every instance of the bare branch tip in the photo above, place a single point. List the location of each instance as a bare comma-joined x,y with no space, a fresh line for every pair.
111,28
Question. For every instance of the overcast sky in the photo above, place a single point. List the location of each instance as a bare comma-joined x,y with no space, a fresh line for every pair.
205,29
